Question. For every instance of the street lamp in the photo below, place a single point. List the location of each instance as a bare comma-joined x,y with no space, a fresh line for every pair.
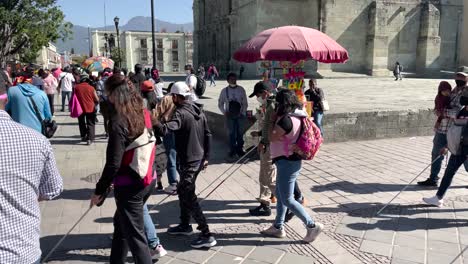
106,44
153,34
116,22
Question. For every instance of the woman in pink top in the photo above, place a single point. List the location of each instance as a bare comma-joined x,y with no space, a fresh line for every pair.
283,135
50,86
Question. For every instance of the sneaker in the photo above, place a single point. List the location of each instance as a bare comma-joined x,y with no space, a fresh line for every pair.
313,232
158,252
434,201
261,210
428,183
273,232
89,142
289,215
204,241
171,189
180,230
160,186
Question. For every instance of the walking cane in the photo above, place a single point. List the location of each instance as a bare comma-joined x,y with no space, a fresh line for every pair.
411,182
73,227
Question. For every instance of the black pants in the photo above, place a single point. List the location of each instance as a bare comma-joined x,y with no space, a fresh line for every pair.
104,108
51,103
87,123
129,228
189,206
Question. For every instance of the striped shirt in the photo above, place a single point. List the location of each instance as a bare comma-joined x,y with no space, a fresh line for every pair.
28,172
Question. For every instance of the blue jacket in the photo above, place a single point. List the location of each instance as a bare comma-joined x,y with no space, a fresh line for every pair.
21,108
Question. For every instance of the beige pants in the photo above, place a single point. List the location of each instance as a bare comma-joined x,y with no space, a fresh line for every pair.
267,177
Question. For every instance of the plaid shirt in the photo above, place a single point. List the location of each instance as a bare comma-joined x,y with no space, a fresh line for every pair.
27,173
451,113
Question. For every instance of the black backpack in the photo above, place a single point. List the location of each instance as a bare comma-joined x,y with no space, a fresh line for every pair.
234,107
201,86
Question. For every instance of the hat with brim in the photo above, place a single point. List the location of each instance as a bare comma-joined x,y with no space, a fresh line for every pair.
464,74
259,88
180,88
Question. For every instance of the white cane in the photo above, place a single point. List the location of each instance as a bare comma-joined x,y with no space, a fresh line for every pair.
411,182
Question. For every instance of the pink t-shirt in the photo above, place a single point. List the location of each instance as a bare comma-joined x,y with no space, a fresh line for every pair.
50,84
283,147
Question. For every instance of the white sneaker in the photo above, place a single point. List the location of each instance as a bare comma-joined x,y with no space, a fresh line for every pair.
171,189
274,232
313,233
158,252
434,201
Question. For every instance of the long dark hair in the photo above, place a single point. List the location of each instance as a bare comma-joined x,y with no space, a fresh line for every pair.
286,102
128,103
441,102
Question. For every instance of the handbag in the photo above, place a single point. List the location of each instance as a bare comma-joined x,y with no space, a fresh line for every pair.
325,106
75,107
48,127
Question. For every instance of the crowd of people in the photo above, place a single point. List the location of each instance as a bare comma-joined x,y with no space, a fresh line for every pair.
151,133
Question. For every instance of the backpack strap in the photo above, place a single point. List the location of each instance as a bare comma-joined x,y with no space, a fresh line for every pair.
38,115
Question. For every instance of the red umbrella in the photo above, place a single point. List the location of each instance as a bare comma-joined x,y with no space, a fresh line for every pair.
291,43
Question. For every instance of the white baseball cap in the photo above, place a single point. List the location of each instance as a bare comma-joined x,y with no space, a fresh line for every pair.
180,88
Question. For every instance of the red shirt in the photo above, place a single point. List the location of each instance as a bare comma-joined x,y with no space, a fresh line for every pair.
86,96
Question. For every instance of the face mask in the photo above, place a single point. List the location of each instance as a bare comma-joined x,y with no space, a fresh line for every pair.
261,100
232,85
460,83
188,72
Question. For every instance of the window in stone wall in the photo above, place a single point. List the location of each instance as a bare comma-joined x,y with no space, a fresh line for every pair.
175,67
160,66
159,43
159,55
144,56
175,55
175,44
143,43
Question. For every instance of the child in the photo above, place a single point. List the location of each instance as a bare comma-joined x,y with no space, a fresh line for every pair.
442,102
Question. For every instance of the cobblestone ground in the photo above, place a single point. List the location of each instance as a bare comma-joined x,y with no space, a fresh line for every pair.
344,187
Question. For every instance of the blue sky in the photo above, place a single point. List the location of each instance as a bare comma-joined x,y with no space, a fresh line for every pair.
91,12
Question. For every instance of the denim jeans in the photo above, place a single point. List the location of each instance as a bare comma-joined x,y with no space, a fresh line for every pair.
318,117
212,79
236,138
287,172
454,164
169,145
438,143
150,230
68,96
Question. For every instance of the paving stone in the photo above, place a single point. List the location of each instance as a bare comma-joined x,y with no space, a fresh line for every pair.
409,254
401,261
437,258
241,251
196,256
293,258
410,241
375,247
344,230
451,237
443,247
269,255
379,236
224,259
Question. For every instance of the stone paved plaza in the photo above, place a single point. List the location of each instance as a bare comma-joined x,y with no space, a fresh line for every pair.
344,187
353,93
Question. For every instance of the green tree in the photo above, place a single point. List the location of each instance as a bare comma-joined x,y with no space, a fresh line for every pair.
28,25
116,57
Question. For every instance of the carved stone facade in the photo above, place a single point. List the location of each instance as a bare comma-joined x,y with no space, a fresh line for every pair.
423,35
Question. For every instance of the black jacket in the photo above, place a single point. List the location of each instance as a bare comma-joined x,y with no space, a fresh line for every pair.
191,131
317,96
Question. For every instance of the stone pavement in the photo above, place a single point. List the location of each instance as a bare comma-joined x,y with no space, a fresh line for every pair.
351,94
344,186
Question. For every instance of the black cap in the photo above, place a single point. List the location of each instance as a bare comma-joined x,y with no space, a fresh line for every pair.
258,88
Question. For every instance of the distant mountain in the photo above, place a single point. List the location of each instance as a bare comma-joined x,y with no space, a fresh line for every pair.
79,41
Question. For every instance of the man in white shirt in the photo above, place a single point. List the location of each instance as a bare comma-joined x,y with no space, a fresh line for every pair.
233,104
191,81
66,85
